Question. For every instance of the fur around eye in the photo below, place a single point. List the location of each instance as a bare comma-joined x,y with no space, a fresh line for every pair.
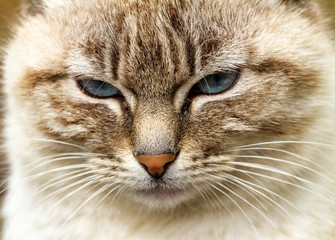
99,89
214,84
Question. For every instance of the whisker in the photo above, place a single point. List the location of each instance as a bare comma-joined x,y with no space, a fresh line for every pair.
284,142
278,171
30,178
240,208
237,184
59,142
282,181
289,153
205,197
48,185
57,160
89,181
246,201
220,200
70,167
224,177
247,184
31,166
120,190
108,194
102,189
262,187
59,156
287,162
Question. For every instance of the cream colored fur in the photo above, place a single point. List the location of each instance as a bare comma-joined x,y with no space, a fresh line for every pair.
85,212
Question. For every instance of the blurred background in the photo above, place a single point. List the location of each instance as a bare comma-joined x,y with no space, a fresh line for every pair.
8,8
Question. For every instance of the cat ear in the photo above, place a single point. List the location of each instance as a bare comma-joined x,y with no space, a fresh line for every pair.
294,1
289,2
33,7
308,8
52,3
298,3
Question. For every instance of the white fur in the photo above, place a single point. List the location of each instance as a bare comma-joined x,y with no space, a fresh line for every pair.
29,218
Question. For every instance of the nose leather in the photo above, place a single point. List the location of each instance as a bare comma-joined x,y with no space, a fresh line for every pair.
156,165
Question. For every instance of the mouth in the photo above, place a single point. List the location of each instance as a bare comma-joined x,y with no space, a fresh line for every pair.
159,196
161,193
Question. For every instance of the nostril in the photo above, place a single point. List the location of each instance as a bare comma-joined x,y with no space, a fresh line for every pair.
156,165
168,164
144,166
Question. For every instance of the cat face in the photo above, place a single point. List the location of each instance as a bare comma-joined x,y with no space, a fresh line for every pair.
193,79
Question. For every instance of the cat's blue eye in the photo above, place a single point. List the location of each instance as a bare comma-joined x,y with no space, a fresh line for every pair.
99,89
215,83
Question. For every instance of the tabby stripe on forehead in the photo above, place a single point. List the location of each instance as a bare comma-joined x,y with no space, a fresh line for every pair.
174,51
190,51
95,53
303,76
158,57
115,51
115,58
179,26
273,65
33,77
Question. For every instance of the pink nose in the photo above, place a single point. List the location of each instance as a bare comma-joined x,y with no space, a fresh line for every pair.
156,165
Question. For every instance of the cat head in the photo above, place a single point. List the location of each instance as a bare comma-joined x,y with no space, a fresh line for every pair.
162,95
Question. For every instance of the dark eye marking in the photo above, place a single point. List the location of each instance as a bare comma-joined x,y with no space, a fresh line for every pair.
214,84
99,89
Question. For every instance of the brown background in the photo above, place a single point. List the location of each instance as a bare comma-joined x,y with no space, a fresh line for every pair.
9,7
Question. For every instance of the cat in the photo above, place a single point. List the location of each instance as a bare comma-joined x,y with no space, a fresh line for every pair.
170,119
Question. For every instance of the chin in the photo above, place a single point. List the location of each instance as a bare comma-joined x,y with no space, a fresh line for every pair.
161,198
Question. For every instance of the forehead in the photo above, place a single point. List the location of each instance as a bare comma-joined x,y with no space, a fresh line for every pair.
157,44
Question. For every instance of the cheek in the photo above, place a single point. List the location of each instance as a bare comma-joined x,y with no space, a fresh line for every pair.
59,110
216,129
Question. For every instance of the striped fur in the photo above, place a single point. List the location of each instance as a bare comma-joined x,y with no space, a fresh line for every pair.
254,162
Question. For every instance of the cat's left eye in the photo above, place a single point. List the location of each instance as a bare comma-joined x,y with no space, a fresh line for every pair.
99,89
214,84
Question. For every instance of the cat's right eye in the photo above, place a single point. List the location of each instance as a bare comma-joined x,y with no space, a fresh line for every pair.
99,89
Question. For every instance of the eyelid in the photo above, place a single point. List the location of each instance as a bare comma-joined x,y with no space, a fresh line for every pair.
197,91
99,89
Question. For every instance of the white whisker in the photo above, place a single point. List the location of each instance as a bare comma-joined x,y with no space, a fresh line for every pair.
289,153
41,174
237,184
58,142
262,187
108,194
247,184
281,172
57,160
57,157
285,142
282,181
221,202
244,200
240,208
89,181
65,168
203,195
48,185
102,189
287,162
120,190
